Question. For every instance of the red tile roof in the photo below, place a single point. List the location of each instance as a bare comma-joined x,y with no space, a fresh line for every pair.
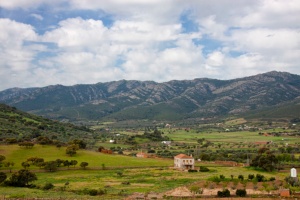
183,156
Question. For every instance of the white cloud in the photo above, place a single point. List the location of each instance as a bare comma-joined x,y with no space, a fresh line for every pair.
76,32
15,55
146,40
37,16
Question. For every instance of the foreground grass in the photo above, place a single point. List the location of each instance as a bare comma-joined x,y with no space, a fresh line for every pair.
142,180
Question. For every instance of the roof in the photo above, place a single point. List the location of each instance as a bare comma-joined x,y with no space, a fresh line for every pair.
183,156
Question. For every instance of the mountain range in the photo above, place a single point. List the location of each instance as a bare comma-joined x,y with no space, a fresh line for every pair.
172,100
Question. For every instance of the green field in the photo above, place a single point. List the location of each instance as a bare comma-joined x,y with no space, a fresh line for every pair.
143,175
95,159
120,175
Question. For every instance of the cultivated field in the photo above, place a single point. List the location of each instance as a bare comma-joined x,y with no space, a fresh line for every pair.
117,176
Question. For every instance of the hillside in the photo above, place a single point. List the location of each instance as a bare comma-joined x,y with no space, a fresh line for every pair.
173,100
21,126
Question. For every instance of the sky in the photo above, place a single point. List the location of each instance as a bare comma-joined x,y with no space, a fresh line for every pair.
68,42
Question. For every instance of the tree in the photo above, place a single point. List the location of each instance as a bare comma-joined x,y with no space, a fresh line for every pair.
67,163
265,160
71,149
241,177
74,162
2,158
59,162
251,176
84,164
241,192
51,166
27,145
25,165
80,143
2,177
9,165
21,178
260,178
224,193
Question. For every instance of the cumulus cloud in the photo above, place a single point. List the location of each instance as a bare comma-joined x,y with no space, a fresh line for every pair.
15,54
149,40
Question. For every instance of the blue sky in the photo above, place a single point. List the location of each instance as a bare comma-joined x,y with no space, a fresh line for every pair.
71,42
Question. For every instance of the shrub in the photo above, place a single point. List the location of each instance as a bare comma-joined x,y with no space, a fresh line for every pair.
102,192
93,192
204,169
21,178
216,179
196,189
192,170
260,178
272,179
241,192
2,177
125,183
224,193
48,186
251,176
222,177
241,177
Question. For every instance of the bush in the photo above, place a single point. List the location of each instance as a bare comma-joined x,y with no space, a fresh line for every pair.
102,192
93,192
216,179
241,177
21,178
196,189
48,186
204,169
241,192
260,178
251,176
125,183
224,193
222,177
3,177
192,170
272,179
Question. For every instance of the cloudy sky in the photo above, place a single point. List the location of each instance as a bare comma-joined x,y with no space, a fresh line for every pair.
47,42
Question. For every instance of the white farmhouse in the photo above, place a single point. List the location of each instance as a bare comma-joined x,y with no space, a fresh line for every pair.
183,161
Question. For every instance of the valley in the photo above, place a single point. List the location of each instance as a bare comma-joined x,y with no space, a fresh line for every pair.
118,140
224,148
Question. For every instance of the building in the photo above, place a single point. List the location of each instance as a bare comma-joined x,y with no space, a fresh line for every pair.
142,155
168,143
183,161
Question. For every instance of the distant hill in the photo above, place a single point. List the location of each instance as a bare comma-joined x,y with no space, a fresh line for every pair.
173,100
27,127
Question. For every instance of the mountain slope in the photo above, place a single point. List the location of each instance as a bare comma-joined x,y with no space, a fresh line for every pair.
150,100
24,126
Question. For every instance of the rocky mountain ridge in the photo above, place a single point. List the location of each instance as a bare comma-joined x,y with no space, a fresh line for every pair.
171,100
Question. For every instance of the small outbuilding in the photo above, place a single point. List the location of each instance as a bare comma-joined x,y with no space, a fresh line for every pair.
185,162
142,155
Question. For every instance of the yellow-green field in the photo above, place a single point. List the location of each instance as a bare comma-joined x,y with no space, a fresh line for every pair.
16,154
139,174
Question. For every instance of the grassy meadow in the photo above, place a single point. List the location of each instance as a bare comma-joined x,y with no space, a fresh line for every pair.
118,176
134,175
16,154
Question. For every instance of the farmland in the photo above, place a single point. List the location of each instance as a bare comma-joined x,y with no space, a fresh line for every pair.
99,161
117,176
122,176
